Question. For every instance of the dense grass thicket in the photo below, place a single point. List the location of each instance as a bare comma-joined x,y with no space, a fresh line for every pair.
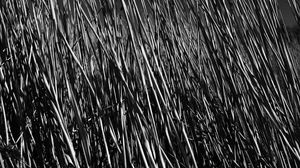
148,83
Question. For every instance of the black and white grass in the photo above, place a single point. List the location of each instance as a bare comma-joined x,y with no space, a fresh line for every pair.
148,83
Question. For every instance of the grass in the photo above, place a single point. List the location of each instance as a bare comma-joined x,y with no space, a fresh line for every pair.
148,84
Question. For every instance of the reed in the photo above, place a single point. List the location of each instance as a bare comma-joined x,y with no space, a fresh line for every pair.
117,83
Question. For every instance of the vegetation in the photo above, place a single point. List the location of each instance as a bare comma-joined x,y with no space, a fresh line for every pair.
126,83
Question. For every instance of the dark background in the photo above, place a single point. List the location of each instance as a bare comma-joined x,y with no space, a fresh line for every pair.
287,13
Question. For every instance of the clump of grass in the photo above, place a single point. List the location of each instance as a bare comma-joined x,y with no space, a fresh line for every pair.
147,84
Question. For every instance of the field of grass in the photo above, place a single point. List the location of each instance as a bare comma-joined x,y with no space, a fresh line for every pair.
148,83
